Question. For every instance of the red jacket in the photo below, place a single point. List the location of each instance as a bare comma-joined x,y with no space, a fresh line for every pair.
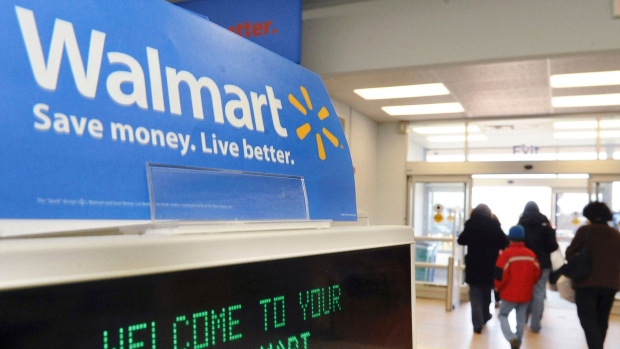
516,272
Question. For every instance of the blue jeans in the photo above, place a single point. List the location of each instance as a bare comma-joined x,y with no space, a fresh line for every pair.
480,300
537,305
504,310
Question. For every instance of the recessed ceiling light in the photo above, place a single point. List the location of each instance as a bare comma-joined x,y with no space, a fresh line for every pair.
512,157
514,176
586,101
610,134
403,91
459,138
575,125
532,176
585,124
445,158
419,109
610,123
604,78
434,130
573,176
575,135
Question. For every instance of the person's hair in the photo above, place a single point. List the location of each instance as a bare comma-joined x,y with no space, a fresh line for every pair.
482,210
597,212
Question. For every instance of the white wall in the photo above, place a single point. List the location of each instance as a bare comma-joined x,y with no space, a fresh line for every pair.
379,156
391,176
415,152
361,133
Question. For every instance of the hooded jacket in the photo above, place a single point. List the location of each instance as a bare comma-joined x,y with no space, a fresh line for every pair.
539,234
484,238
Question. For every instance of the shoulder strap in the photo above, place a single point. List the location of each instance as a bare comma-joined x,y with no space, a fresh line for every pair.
585,242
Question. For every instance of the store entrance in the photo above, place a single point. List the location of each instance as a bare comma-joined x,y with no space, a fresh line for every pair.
439,206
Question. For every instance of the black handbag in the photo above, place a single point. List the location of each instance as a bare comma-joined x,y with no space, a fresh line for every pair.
580,265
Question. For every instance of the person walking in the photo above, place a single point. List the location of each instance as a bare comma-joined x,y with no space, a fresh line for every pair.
540,238
495,293
516,272
594,295
484,238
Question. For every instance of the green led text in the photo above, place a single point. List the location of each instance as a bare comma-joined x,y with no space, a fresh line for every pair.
292,342
279,311
198,331
320,301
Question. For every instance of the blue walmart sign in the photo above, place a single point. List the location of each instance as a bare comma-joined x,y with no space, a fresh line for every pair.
92,92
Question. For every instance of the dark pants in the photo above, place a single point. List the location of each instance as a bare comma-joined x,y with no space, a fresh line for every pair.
480,300
593,308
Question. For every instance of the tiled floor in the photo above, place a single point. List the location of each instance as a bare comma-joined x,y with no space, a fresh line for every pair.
438,329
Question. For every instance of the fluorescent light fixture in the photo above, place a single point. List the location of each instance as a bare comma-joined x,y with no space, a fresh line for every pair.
603,78
514,176
586,155
586,101
457,138
585,134
435,130
402,91
445,158
615,123
585,124
574,125
419,109
512,157
610,134
532,176
573,176
575,135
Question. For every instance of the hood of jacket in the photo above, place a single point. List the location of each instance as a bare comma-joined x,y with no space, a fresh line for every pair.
532,218
480,222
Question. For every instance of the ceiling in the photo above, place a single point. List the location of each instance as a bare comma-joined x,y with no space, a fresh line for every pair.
485,90
506,89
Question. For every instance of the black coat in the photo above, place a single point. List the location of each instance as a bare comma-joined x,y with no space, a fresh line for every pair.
484,238
539,237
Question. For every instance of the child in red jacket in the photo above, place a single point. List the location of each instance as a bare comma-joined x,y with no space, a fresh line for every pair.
516,272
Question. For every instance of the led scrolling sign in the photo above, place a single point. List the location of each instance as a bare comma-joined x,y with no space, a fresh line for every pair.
358,299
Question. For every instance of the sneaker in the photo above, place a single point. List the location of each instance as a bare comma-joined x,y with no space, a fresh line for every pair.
515,343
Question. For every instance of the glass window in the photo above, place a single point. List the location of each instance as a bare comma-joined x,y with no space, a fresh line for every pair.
568,218
509,205
610,137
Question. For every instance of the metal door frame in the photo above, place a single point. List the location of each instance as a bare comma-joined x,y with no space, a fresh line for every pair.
595,178
455,265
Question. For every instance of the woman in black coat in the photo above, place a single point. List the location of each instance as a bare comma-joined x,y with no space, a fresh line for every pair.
484,239
540,238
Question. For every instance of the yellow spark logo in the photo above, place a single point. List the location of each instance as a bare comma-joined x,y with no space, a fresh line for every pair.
304,130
